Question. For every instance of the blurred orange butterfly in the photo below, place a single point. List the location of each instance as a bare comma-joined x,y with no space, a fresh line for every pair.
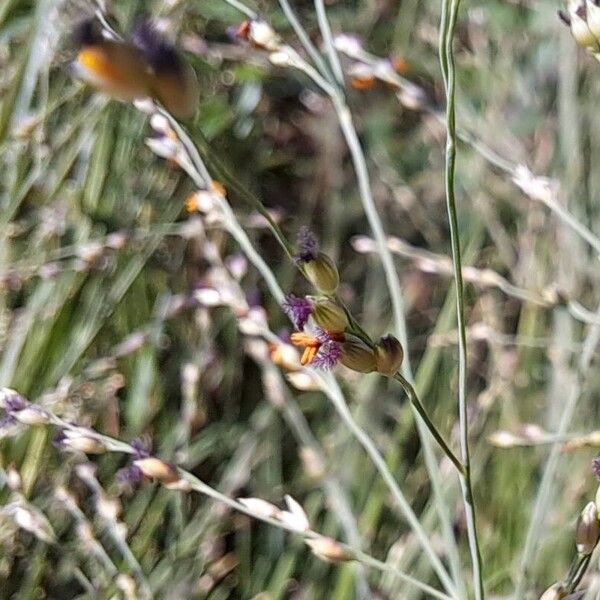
146,66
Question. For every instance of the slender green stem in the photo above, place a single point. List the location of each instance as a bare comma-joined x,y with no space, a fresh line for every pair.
392,280
305,39
448,23
416,402
334,61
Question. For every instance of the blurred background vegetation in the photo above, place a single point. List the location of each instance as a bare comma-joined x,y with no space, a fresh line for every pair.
96,251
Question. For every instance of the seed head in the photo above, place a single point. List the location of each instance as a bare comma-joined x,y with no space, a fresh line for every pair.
330,550
388,355
322,274
32,415
14,402
356,355
554,592
318,268
593,17
294,516
579,21
79,442
588,529
262,35
260,507
330,316
158,469
33,520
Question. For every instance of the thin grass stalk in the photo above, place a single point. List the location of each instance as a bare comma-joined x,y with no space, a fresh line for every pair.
251,14
491,156
278,393
393,284
305,40
418,406
334,490
448,23
334,61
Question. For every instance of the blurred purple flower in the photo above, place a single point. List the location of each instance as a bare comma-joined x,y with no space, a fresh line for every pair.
59,440
254,298
596,466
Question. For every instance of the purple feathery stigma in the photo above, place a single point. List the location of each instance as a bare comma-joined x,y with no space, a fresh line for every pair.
328,355
324,336
308,247
596,466
298,310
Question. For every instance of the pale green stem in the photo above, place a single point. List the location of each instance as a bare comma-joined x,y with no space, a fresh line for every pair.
334,60
305,39
393,284
448,23
242,8
416,403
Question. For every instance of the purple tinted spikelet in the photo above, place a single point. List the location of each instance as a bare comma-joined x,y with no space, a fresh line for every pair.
8,426
14,403
142,446
128,478
298,310
596,466
308,247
